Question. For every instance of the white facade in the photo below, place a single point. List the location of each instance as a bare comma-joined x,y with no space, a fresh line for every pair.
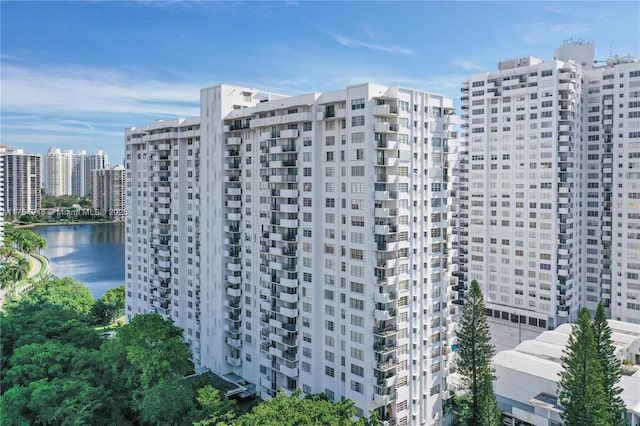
21,183
541,140
162,223
528,375
69,173
320,238
107,191
58,172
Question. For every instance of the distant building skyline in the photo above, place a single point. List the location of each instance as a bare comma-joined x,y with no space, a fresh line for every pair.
69,173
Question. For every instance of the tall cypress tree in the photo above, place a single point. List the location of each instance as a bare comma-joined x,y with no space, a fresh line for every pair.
581,390
610,367
478,407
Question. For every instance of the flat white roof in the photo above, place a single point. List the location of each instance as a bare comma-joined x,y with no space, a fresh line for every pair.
540,357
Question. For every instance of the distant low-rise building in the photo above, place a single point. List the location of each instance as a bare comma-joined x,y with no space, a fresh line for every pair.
21,181
107,192
528,375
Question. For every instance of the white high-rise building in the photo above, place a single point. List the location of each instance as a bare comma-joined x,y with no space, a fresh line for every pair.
107,191
301,242
21,182
58,172
69,173
550,153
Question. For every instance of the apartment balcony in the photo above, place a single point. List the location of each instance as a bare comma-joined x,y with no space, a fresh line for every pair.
384,315
383,399
385,212
386,330
388,161
233,141
385,127
392,145
288,297
289,283
236,362
275,351
234,191
289,223
233,216
234,292
236,343
289,208
389,281
287,312
289,371
388,263
450,119
387,246
385,348
163,274
387,382
384,297
384,110
289,133
385,229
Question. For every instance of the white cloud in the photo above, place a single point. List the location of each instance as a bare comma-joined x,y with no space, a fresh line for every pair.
82,90
468,65
347,42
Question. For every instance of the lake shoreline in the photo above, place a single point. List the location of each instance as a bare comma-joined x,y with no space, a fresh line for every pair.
91,253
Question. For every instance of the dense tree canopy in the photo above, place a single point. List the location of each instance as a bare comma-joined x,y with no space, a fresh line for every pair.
57,369
64,292
292,410
110,306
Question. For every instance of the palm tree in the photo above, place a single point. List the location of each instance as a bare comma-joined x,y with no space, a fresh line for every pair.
7,278
22,269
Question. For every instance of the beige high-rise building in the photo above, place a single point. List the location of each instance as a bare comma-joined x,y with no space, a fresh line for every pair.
22,181
107,191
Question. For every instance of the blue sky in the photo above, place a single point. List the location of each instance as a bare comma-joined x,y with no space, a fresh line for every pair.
75,74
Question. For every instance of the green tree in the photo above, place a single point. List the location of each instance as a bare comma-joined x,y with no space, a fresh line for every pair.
110,306
144,353
167,403
8,278
64,292
610,367
23,266
214,409
283,410
581,388
478,407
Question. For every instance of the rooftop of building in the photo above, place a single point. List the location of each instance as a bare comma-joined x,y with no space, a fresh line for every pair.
541,357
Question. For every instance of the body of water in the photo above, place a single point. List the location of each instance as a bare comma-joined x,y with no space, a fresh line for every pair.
92,254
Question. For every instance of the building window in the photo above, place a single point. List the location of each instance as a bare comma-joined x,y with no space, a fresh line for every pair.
357,103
